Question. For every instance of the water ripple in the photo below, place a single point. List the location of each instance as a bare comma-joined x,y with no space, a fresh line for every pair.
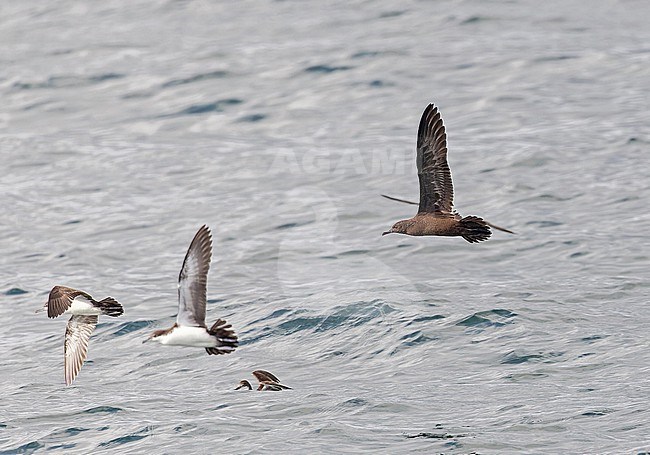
491,318
217,106
325,69
132,437
195,78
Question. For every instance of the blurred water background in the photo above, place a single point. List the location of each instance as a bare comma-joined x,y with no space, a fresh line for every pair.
124,126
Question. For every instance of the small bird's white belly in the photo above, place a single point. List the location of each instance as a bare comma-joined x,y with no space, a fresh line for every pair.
82,306
189,336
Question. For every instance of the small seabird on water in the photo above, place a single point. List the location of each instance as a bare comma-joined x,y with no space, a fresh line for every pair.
84,310
435,214
267,381
189,328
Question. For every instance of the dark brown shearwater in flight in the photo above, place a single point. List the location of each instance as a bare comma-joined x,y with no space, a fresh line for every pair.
435,214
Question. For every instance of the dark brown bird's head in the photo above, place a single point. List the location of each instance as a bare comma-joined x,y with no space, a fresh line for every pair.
244,383
401,227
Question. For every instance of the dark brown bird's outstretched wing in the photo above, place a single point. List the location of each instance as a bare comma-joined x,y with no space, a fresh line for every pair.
193,279
436,188
61,298
265,376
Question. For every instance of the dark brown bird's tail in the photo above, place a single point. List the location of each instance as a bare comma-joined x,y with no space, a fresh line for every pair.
111,307
225,336
474,229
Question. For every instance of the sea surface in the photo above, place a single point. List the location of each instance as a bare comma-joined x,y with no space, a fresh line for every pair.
125,126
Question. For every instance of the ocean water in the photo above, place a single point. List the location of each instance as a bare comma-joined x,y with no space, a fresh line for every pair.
124,126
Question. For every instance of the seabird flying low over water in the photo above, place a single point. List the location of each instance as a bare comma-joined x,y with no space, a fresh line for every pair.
84,310
267,381
189,328
435,214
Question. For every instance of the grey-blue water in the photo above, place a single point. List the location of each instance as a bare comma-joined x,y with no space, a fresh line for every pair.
124,126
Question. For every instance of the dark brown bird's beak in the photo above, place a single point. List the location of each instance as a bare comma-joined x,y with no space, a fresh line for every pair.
387,232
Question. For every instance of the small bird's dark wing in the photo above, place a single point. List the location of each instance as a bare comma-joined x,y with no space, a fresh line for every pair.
272,386
436,188
61,298
265,376
77,335
193,279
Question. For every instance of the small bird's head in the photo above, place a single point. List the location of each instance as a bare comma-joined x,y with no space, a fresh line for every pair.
401,227
244,383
